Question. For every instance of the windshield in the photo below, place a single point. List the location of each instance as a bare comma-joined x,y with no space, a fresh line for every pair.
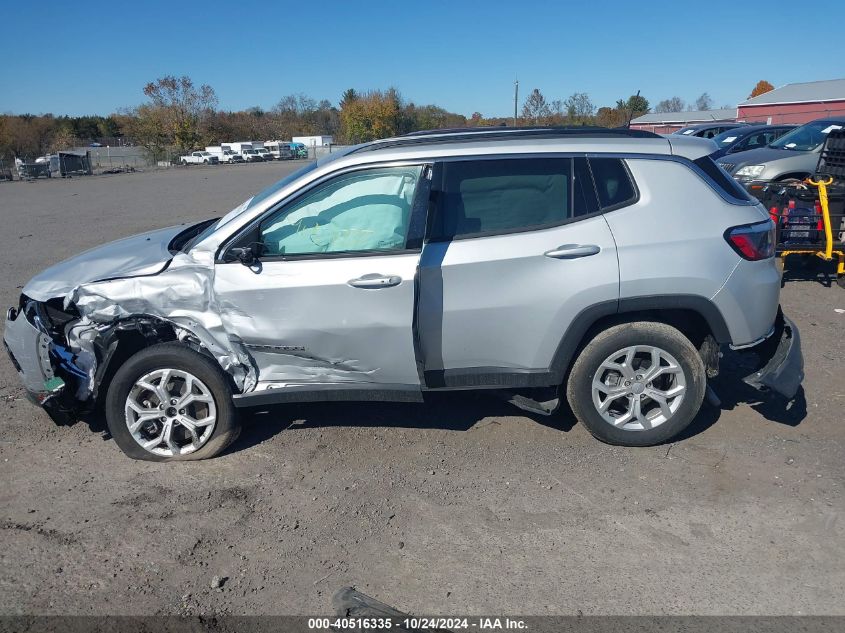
284,182
248,204
726,138
685,131
807,137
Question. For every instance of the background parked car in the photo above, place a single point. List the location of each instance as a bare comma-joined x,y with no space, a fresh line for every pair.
280,150
707,130
224,155
747,137
264,153
251,156
793,155
299,150
199,158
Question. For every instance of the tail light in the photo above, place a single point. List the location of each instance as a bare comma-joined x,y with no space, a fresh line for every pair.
753,241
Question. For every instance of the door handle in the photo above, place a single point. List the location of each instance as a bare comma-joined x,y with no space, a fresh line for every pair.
573,251
374,280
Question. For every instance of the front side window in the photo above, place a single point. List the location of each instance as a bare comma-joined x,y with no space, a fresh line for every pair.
758,140
489,197
362,211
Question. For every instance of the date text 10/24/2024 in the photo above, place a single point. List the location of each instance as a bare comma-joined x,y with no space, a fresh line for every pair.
416,623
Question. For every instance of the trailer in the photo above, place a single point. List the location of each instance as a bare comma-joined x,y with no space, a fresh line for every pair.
281,150
809,215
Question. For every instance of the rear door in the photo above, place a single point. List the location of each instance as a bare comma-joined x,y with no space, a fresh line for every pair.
517,248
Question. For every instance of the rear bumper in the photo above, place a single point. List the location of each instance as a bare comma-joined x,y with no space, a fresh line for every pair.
781,363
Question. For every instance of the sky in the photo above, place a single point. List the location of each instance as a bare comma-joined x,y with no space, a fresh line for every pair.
95,57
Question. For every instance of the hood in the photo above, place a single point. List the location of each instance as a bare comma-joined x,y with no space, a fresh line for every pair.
769,155
143,254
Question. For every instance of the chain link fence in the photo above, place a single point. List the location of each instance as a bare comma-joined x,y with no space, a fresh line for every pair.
129,158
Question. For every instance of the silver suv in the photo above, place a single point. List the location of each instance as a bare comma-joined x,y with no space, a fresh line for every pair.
609,266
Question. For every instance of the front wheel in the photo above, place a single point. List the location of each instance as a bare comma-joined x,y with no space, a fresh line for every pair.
637,384
170,403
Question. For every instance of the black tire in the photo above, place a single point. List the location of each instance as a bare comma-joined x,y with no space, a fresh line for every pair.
179,357
579,388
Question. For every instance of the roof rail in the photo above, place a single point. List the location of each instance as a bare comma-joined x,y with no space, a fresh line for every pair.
455,135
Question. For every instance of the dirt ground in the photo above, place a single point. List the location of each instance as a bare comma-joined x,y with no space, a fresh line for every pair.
463,505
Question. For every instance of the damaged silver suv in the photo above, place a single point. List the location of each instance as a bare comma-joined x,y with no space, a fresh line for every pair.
609,266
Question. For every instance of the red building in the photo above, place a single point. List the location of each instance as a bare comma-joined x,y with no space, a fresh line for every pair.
792,103
796,103
668,122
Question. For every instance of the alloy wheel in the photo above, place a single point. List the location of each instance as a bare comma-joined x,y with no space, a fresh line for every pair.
638,388
170,412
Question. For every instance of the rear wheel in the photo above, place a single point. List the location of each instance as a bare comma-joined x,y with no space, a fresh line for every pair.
169,403
637,384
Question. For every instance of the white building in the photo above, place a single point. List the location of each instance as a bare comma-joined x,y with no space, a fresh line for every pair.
314,141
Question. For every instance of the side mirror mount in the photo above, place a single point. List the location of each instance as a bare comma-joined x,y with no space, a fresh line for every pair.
245,254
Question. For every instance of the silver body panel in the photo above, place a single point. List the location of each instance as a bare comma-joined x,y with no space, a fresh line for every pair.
302,322
28,347
505,304
748,300
487,302
142,254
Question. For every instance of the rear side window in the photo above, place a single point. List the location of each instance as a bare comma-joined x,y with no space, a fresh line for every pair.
613,183
489,197
724,183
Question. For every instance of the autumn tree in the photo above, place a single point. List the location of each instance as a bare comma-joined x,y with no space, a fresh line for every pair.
535,107
149,127
579,107
762,87
63,138
635,105
374,114
349,95
674,104
704,102
178,106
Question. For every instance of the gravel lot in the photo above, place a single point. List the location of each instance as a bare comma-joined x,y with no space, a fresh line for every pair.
461,505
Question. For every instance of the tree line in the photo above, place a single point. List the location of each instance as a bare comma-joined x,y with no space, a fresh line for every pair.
180,116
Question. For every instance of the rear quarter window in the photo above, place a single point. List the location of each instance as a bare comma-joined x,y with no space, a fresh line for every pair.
614,185
722,180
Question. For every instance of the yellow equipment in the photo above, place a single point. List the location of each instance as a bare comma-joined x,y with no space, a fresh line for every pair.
828,251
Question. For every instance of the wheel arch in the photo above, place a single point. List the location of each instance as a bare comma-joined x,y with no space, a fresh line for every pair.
695,316
123,340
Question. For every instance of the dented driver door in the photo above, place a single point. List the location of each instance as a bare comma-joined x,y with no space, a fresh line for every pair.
331,297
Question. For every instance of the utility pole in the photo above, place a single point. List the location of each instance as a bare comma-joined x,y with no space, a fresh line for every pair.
515,99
